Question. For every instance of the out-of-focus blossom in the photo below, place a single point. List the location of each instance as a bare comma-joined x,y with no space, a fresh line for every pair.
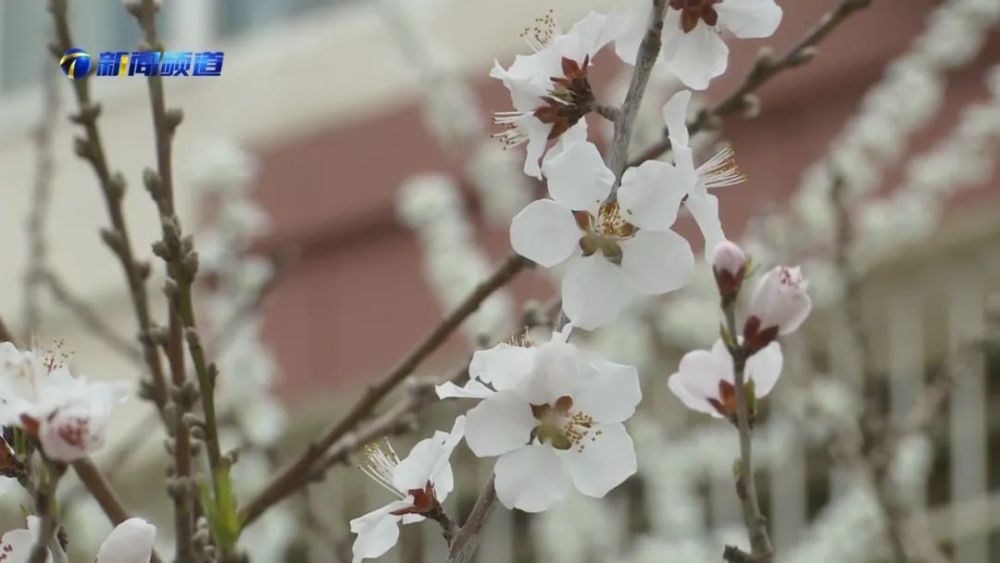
65,412
130,542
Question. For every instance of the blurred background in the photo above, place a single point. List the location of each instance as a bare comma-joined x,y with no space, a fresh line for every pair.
345,194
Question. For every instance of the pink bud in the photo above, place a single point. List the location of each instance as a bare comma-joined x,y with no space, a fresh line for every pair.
779,305
729,265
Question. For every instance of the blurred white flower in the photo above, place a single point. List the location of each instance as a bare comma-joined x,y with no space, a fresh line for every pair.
554,418
15,545
704,380
130,542
66,413
612,251
693,48
420,481
222,166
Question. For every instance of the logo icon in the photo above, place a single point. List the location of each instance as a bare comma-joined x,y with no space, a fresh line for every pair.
76,63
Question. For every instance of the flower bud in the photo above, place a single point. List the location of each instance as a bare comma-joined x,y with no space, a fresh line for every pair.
729,264
779,305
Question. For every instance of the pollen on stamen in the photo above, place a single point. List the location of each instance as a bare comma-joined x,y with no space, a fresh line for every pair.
721,170
379,462
544,30
512,135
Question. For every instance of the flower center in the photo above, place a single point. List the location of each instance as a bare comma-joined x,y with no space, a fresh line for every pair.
604,233
726,403
694,10
561,427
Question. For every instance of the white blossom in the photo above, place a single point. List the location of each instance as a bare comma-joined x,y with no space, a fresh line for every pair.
549,88
705,380
553,417
419,482
611,252
65,412
693,48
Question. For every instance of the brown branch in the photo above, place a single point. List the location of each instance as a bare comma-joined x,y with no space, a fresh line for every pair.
649,50
762,551
298,473
165,123
467,539
91,149
45,510
764,69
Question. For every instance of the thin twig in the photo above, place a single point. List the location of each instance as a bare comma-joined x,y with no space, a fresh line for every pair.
297,474
761,548
45,510
648,52
40,199
91,149
165,123
878,447
764,69
466,542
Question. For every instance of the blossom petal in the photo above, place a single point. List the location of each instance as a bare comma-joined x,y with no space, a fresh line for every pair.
503,365
594,291
749,19
651,194
130,542
531,478
698,376
578,178
603,461
698,56
471,390
557,372
629,29
764,367
587,36
16,545
544,232
657,262
675,117
610,393
676,384
428,461
498,425
538,141
704,207
377,531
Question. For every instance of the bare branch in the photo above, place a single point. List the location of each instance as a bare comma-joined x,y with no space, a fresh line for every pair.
297,474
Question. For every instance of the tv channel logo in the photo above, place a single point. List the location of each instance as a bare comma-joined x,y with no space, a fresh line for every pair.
77,63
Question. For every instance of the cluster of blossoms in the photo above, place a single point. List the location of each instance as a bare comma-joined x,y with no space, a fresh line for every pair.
553,414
